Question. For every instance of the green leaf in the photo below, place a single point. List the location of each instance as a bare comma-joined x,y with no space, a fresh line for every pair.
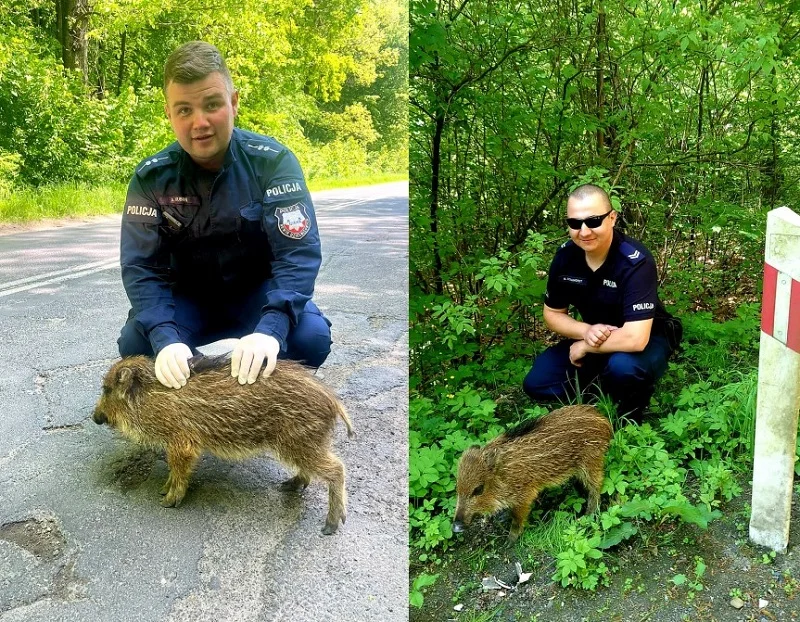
699,569
424,580
617,534
638,508
698,514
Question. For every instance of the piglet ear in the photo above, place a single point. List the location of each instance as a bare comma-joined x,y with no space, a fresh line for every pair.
129,382
490,457
125,377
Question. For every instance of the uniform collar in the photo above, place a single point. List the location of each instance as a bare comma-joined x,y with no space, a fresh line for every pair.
187,165
618,239
580,255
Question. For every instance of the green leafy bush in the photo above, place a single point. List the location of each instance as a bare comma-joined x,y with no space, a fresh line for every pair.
678,467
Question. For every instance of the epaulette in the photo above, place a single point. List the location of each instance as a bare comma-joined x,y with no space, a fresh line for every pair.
260,147
162,158
633,254
565,244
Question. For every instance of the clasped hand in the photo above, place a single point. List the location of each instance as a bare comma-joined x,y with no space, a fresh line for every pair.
594,337
596,334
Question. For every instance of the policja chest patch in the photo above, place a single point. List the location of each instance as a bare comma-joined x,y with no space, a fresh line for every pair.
293,221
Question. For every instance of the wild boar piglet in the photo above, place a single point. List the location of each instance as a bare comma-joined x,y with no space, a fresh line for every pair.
511,470
290,414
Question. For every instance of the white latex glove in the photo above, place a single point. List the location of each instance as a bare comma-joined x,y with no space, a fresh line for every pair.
172,370
249,354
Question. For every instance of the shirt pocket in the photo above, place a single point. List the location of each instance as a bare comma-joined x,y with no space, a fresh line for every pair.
609,295
177,216
250,219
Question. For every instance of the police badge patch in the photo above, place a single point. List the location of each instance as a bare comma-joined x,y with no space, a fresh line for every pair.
293,221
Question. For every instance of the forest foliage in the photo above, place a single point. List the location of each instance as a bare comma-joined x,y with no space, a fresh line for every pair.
81,81
684,111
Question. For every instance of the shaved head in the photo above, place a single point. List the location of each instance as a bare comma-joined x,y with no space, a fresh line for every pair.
588,190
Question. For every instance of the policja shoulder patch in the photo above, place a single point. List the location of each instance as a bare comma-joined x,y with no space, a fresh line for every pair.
142,213
293,221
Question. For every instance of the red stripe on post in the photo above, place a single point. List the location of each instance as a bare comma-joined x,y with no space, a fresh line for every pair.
768,299
793,338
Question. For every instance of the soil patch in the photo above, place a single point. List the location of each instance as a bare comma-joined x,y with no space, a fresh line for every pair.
40,537
741,582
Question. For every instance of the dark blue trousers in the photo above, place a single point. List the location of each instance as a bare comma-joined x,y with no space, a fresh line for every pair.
628,377
203,320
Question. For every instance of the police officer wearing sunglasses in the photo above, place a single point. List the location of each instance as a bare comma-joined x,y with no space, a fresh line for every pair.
625,336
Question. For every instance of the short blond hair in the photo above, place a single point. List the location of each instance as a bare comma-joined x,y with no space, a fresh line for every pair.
194,61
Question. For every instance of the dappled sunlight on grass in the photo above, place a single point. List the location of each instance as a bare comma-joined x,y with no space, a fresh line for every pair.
74,200
62,201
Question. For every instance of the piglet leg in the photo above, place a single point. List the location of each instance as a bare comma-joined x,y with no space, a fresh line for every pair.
181,460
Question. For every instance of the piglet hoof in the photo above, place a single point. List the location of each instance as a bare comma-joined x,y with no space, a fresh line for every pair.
172,499
295,484
329,529
167,485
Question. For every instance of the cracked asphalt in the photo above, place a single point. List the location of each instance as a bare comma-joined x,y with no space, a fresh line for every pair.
82,534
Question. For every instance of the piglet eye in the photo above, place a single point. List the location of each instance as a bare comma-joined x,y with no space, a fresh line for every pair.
478,491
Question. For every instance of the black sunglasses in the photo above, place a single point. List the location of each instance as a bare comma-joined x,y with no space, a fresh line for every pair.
592,222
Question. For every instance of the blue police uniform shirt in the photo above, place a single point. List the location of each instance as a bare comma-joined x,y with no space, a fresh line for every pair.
207,234
623,289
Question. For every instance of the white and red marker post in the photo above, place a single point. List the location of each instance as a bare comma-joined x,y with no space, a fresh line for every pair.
778,383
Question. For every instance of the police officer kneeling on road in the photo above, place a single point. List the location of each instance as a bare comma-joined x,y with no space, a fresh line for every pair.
219,237
626,336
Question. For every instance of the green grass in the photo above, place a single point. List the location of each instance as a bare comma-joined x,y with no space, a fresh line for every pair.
61,201
546,533
348,182
80,200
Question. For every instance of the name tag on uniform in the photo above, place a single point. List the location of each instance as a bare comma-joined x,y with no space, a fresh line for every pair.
178,201
572,280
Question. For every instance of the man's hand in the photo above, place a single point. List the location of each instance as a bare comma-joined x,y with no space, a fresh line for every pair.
172,370
249,354
597,334
576,353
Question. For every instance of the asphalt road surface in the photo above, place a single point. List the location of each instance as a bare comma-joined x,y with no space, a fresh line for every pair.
82,534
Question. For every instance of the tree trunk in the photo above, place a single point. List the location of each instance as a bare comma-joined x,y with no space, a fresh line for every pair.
101,71
121,72
601,70
436,158
74,46
60,25
772,168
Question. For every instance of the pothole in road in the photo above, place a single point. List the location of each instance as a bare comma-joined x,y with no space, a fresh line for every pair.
53,573
40,537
